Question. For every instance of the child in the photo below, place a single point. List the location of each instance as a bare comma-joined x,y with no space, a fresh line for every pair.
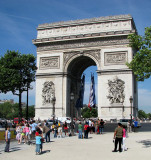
124,139
26,131
7,138
38,141
18,131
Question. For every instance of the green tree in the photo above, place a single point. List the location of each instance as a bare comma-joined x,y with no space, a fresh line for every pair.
141,63
31,111
8,110
149,116
142,114
88,113
17,71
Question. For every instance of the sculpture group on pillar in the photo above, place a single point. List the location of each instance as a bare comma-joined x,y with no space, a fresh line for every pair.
116,90
48,92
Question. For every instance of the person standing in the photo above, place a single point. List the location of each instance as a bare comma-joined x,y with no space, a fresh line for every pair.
33,128
22,132
98,126
47,131
80,130
124,139
7,139
86,130
101,126
118,136
18,131
66,128
55,130
135,125
26,131
59,130
38,141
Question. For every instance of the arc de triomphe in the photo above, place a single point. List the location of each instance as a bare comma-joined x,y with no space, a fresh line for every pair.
66,49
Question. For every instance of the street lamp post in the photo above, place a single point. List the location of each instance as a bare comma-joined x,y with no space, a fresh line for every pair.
72,101
53,102
131,101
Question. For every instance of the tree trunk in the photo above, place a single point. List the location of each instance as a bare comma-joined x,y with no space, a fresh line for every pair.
27,107
20,107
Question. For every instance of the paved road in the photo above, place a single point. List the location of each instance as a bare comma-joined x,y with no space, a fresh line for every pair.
96,147
110,127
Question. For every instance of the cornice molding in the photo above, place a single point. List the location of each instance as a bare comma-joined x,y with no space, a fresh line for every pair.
114,71
82,36
84,21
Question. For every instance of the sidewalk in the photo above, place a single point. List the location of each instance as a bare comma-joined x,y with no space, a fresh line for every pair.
96,147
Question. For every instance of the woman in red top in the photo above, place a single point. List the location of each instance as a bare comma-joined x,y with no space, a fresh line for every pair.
65,128
86,130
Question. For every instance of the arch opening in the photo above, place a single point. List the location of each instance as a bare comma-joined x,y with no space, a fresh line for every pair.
78,66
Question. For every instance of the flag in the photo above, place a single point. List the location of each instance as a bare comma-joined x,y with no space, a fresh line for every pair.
79,103
92,101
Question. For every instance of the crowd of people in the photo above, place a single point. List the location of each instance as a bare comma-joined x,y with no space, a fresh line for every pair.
91,126
27,132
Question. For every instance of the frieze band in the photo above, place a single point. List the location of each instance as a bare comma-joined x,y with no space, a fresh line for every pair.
83,43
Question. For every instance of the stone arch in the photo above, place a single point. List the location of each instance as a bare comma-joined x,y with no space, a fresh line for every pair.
69,57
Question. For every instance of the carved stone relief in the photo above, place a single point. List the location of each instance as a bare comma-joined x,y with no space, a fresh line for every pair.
49,62
94,53
48,92
116,91
83,43
115,58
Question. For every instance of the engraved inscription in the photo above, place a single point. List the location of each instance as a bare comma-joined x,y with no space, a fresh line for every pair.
49,62
115,58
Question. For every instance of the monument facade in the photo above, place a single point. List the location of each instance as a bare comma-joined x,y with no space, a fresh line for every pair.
66,49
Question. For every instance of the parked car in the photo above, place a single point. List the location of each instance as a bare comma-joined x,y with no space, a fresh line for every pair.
125,122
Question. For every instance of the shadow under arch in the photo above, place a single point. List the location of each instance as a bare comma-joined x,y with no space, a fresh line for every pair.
74,69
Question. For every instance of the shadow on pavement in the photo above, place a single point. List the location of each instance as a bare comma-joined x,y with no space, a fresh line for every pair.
146,143
90,138
49,142
46,151
15,149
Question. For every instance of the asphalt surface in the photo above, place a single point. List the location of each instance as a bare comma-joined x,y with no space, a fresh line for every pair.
95,147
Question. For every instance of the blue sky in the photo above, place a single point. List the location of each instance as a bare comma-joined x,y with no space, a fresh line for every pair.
20,18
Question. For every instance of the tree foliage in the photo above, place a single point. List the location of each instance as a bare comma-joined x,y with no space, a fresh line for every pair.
17,71
141,63
143,115
88,113
10,111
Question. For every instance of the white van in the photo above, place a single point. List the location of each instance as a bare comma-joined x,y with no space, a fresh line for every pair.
64,119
